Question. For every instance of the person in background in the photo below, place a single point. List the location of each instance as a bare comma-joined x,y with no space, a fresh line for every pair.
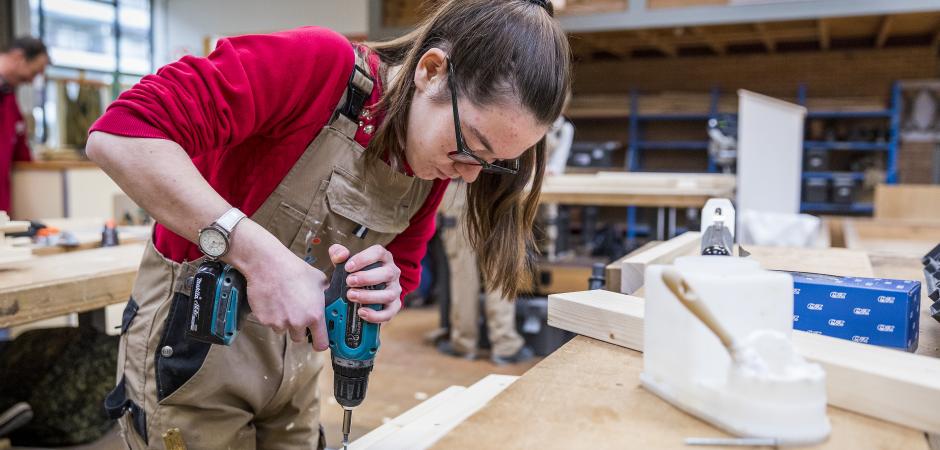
20,63
557,147
507,345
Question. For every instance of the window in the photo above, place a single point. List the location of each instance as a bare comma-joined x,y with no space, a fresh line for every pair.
98,48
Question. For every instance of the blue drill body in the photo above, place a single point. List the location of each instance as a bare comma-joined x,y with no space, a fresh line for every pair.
353,341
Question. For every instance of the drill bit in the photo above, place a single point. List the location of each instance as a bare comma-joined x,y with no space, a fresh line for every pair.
347,420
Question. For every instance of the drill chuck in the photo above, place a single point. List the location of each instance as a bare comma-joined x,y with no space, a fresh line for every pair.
350,381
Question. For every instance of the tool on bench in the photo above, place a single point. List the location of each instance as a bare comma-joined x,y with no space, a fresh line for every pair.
353,344
931,263
219,303
718,227
717,345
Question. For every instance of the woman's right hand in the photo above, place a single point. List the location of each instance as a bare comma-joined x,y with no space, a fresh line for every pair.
285,293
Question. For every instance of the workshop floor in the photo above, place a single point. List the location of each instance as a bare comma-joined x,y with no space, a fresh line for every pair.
408,371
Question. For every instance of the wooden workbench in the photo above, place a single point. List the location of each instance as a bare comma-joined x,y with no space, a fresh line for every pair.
587,395
50,286
669,190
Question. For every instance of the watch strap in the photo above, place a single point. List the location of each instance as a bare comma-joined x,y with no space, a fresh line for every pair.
228,220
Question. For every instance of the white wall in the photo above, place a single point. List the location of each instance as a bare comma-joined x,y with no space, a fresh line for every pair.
180,26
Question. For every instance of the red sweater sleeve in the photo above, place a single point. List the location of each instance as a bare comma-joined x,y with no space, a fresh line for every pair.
250,85
409,247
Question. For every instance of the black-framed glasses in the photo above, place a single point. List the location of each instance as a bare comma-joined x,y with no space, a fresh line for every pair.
463,154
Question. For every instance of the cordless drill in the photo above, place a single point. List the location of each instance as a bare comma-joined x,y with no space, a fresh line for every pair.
353,344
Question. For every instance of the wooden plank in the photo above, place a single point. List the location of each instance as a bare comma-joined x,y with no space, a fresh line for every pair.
900,237
661,44
420,410
907,202
633,268
884,30
768,41
424,431
825,40
587,395
886,384
70,282
612,271
626,189
830,261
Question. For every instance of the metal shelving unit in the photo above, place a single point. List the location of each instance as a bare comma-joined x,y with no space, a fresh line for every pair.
637,144
888,147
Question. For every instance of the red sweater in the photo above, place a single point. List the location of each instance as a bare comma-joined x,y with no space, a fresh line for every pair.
12,141
245,114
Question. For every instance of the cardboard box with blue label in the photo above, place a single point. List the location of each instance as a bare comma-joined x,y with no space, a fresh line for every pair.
873,311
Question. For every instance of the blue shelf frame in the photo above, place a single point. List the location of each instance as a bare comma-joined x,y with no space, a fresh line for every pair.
835,208
893,114
858,176
847,146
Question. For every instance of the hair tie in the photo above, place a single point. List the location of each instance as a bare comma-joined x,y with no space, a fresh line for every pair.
545,4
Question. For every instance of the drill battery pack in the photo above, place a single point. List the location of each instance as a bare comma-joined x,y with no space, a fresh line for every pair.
219,302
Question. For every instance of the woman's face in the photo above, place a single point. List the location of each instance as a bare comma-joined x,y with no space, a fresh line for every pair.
496,132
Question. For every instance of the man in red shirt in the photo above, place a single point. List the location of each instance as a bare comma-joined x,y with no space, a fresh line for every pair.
19,64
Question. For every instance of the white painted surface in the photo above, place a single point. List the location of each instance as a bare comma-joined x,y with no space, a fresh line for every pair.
770,154
180,26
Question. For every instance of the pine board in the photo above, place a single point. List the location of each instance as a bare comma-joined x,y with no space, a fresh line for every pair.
421,429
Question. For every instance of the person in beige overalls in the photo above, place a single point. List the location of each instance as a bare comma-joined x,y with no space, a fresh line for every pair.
506,345
261,392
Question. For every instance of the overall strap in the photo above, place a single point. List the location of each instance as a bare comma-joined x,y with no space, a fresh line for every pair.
358,90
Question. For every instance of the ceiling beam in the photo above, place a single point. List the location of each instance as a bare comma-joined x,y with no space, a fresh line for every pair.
769,42
605,45
650,38
825,40
884,30
716,46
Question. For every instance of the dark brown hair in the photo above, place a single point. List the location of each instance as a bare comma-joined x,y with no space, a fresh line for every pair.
30,46
503,51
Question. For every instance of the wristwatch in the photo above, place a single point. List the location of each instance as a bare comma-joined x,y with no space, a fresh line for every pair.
214,239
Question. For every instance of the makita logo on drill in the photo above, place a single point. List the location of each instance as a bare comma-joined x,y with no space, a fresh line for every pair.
885,299
198,289
814,306
885,328
194,318
862,339
836,323
839,295
861,311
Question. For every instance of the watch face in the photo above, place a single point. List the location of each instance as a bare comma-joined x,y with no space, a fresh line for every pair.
212,242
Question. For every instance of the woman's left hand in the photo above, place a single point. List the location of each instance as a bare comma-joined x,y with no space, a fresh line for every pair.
357,280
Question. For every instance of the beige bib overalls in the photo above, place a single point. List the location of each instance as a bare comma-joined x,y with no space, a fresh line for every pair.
260,392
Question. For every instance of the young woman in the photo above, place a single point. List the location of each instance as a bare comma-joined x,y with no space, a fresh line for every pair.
336,153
